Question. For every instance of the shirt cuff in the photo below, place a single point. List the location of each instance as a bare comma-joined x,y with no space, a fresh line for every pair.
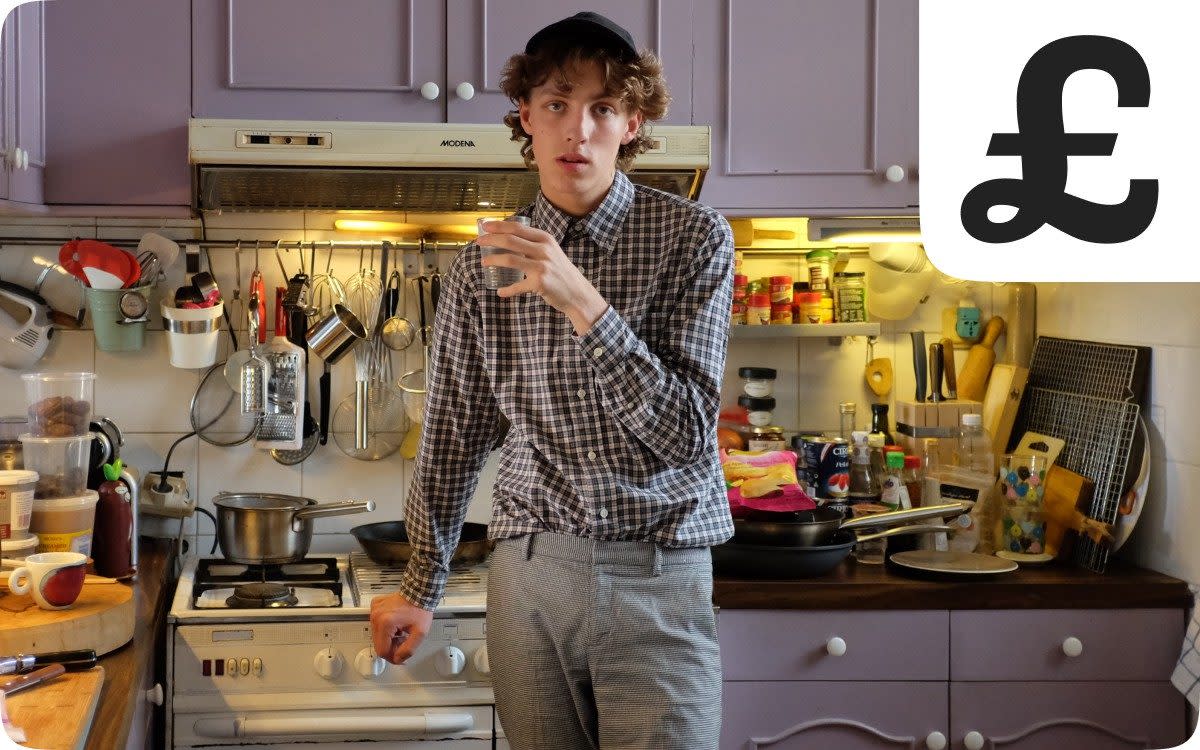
607,344
423,587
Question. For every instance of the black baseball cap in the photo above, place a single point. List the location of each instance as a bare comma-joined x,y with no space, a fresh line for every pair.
587,28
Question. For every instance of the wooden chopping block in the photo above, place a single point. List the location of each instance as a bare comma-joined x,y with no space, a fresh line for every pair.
744,233
101,619
57,714
972,381
1000,404
1066,498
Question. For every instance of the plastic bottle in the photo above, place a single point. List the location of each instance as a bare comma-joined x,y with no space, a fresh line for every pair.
974,448
864,482
112,537
912,479
893,492
931,494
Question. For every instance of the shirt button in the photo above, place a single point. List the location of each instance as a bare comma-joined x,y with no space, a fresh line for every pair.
592,455
604,512
599,350
581,393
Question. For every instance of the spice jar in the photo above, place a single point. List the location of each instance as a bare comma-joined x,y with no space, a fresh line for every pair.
758,311
781,289
820,269
757,382
758,409
766,438
850,297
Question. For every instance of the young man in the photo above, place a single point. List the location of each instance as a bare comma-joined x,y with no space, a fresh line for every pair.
607,359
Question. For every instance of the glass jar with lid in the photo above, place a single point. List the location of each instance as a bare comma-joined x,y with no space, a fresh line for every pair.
758,382
766,438
758,410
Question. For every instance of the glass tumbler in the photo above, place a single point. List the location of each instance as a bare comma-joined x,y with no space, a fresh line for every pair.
495,277
1022,518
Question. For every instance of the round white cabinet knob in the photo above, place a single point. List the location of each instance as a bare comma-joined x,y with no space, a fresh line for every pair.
430,90
465,91
835,646
368,664
155,694
973,741
1072,646
329,663
12,158
894,173
450,661
483,665
936,741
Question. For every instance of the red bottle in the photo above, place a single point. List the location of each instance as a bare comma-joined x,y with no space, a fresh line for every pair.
112,536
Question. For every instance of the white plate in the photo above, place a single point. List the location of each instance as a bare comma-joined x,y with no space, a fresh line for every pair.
1125,523
1025,557
969,563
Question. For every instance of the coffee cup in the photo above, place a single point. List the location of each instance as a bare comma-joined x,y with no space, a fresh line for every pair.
497,277
53,578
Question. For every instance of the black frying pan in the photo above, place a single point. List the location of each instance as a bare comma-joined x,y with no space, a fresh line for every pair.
387,543
796,561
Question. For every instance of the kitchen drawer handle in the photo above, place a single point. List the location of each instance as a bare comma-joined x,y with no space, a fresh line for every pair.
894,173
835,646
430,90
973,741
155,694
465,91
1072,646
936,741
283,726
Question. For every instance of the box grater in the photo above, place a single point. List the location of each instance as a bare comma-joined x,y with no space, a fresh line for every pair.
283,422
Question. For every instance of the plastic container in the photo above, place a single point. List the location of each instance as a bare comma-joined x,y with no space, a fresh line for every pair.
974,449
758,382
192,334
64,524
758,410
19,546
62,464
16,501
115,330
60,403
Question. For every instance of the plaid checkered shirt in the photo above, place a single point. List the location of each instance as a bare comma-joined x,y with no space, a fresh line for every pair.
613,433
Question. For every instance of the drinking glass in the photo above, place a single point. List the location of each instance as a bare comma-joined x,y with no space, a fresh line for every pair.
495,277
1022,520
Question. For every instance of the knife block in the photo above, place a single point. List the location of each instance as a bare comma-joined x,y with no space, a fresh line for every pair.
916,421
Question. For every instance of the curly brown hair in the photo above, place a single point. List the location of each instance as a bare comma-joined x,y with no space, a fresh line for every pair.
638,83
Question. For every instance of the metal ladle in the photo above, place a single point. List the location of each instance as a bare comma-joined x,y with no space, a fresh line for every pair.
397,332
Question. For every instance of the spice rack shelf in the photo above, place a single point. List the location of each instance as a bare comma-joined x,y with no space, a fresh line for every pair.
822,330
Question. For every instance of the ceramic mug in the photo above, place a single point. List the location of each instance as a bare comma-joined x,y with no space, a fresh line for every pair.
53,578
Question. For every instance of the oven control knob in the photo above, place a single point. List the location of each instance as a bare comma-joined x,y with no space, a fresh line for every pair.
329,663
482,664
368,664
450,661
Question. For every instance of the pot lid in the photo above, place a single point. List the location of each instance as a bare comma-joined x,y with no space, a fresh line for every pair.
262,501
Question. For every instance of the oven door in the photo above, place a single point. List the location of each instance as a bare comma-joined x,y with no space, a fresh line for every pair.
443,727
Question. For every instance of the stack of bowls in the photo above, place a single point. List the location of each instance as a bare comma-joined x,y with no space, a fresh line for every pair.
58,447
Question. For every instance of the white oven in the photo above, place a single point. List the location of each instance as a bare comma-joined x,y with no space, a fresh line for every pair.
305,676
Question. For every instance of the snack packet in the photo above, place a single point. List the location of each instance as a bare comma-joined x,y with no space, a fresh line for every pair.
763,480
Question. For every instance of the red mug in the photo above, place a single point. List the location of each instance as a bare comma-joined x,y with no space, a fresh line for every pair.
53,578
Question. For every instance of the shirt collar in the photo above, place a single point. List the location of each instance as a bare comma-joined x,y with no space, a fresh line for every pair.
603,224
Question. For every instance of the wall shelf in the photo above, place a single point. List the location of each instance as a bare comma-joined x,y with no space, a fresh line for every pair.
824,330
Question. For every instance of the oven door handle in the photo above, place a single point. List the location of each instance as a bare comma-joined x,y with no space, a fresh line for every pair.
279,726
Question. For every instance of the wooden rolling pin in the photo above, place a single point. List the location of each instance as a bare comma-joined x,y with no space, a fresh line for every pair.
972,380
744,233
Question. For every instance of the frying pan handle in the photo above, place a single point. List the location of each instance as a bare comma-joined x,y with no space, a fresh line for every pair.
339,508
900,531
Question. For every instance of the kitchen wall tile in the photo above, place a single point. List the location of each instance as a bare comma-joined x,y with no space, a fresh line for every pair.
233,221
830,375
242,468
69,351
1175,396
146,453
1165,537
141,391
1147,314
331,475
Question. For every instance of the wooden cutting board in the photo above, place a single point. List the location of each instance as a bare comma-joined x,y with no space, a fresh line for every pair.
101,619
57,714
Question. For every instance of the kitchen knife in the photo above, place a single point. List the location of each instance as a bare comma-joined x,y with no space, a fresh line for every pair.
73,661
935,381
948,368
919,363
29,679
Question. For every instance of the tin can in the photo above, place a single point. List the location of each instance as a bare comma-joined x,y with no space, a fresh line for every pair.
766,438
827,464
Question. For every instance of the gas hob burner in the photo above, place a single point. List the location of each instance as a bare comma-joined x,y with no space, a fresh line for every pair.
259,595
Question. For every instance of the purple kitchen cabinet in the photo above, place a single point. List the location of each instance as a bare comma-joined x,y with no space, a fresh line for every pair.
379,60
1065,716
354,60
117,100
825,715
23,138
813,104
484,33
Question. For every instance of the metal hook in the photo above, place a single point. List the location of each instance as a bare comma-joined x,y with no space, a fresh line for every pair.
279,260
257,244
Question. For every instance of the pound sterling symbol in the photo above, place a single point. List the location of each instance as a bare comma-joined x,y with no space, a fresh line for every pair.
1040,195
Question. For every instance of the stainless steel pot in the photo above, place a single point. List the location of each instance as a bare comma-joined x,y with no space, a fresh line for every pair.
255,528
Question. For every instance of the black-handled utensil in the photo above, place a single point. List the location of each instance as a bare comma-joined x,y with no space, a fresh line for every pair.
323,387
919,364
935,361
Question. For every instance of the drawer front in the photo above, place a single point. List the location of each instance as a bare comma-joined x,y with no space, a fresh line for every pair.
784,645
1127,645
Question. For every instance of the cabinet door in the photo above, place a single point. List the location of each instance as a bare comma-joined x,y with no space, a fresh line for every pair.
810,103
823,715
117,101
27,120
483,34
1054,716
7,105
354,60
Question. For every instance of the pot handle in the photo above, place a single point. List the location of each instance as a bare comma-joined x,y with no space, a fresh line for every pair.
340,508
899,531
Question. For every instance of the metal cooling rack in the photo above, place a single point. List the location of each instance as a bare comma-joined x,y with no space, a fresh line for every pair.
1090,368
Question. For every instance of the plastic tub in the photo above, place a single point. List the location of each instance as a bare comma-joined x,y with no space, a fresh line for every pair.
62,464
19,546
60,403
16,501
64,524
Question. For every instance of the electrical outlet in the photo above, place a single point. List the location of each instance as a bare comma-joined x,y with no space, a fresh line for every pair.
967,323
174,501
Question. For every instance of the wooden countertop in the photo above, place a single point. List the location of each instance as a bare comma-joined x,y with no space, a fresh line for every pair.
124,668
854,586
